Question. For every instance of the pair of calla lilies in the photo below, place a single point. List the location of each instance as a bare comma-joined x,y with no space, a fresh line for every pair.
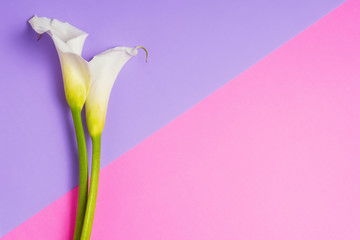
86,83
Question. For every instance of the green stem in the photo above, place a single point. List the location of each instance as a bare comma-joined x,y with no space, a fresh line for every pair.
83,172
94,184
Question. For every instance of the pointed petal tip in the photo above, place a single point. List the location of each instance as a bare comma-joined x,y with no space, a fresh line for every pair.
33,18
147,54
40,24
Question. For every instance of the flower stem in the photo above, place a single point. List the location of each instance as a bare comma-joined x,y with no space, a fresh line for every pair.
83,172
94,184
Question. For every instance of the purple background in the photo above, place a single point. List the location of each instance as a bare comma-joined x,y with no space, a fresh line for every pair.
195,48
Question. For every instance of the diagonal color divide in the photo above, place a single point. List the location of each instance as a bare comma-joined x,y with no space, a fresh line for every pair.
271,155
194,50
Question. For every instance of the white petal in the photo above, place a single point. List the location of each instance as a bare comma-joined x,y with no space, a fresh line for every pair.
104,69
76,76
68,37
69,42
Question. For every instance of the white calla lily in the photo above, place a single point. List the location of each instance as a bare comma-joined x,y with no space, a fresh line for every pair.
69,42
104,69
88,83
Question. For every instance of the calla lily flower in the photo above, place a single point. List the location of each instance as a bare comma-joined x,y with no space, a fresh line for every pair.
104,69
69,42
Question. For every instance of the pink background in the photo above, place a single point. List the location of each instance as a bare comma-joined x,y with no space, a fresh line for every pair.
274,154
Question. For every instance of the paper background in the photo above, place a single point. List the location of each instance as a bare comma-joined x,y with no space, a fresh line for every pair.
246,162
